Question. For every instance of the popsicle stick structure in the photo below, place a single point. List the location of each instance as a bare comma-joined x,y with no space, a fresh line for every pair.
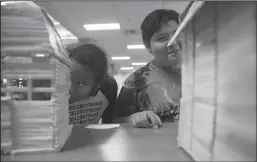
34,81
218,105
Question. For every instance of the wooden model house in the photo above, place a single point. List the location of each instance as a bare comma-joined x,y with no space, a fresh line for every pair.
218,105
35,80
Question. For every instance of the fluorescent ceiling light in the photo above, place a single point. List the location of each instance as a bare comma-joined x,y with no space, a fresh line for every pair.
139,63
136,46
4,80
126,68
198,44
121,58
97,27
5,3
69,38
40,55
9,2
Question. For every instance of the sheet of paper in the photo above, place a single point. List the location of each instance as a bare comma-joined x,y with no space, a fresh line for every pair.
102,126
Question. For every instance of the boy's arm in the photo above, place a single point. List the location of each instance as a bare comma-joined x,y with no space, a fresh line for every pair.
109,89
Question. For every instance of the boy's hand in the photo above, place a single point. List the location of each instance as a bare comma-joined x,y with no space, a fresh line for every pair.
146,119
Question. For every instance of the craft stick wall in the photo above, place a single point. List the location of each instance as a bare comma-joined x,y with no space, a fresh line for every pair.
33,55
218,105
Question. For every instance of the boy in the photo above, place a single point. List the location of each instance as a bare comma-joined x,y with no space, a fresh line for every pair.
93,92
151,94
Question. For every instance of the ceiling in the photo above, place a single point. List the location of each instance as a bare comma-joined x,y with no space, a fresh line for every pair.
73,15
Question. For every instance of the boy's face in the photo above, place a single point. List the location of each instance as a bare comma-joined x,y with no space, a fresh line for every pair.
158,45
82,81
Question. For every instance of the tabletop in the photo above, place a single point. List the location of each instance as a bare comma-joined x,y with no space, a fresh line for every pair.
124,143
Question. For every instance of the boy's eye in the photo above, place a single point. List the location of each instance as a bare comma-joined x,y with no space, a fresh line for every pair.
162,39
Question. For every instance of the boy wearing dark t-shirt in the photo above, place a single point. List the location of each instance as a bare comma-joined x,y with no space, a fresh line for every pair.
93,92
151,95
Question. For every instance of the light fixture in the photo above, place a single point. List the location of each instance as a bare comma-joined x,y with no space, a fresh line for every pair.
121,58
20,79
126,68
40,55
198,45
69,38
139,63
140,46
4,80
5,3
9,2
97,27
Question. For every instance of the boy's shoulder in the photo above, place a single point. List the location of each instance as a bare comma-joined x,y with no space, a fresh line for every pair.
136,77
109,81
109,88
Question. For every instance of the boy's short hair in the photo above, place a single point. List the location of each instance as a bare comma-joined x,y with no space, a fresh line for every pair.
154,21
93,57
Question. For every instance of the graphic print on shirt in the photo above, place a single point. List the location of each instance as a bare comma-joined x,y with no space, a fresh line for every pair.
88,111
157,92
